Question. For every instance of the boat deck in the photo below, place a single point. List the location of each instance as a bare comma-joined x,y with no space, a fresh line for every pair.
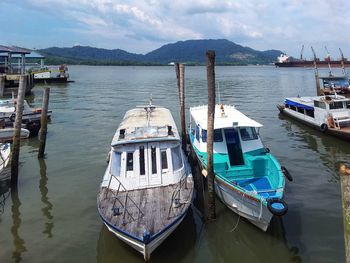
149,209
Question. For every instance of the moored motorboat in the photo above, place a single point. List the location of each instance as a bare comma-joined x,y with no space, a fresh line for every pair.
248,179
30,116
329,114
147,187
6,134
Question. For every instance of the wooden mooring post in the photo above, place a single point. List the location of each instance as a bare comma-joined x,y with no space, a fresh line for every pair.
182,105
211,213
2,85
17,131
43,123
345,189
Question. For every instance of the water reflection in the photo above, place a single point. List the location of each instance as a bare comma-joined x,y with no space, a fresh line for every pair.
4,193
19,243
332,151
47,208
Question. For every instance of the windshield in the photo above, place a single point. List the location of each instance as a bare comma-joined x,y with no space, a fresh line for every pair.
248,133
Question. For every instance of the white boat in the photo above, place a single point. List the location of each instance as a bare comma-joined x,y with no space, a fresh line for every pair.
248,179
6,134
8,110
329,114
50,75
30,116
147,187
5,151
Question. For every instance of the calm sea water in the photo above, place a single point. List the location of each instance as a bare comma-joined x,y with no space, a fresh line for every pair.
53,217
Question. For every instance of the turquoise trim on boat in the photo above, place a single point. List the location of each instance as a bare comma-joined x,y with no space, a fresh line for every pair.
260,177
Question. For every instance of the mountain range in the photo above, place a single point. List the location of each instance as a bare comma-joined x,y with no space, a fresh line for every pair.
189,51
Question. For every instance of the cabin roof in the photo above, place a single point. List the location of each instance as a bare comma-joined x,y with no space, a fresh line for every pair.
310,100
14,50
231,117
146,123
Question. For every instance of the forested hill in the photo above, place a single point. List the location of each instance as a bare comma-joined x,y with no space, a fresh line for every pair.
190,52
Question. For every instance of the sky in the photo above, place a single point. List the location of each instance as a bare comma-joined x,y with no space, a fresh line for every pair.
140,26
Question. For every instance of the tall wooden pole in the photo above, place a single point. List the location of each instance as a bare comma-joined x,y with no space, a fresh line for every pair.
2,85
182,106
43,123
210,133
17,131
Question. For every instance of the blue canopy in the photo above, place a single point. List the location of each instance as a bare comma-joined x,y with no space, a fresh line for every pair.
299,105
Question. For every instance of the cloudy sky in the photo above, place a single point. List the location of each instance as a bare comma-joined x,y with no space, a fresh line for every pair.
140,26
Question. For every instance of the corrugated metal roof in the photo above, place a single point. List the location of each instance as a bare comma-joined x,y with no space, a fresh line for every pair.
14,50
229,118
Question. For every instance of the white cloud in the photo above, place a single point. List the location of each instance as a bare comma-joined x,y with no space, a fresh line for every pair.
259,24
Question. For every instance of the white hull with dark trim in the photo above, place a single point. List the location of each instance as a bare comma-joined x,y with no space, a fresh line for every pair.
253,210
145,249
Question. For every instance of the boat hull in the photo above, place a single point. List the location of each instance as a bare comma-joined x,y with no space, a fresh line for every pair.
253,210
6,134
343,134
51,80
309,64
144,248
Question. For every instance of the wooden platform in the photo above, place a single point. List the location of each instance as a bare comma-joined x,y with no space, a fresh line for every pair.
149,209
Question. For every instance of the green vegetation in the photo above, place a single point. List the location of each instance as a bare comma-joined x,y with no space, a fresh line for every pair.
191,52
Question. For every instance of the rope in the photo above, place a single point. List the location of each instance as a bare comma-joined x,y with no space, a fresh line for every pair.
236,225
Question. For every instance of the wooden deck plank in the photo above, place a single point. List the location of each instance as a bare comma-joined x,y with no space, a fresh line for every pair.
153,202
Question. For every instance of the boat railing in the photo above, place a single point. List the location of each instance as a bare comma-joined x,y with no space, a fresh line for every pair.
176,196
118,198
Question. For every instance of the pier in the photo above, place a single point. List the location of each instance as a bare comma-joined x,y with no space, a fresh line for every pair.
12,67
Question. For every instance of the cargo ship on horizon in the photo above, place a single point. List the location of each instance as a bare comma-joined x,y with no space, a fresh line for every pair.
284,60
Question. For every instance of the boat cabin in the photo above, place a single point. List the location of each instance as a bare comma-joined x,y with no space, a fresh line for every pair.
234,135
146,150
333,84
333,110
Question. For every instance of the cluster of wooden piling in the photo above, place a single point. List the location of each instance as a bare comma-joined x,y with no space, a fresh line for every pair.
207,197
18,124
9,83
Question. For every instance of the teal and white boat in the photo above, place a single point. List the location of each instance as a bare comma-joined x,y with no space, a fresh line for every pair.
248,179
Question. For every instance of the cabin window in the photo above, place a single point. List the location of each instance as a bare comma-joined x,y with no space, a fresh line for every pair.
204,135
293,107
347,104
115,163
197,132
164,159
218,135
310,113
130,161
320,104
176,158
248,133
154,159
142,160
336,105
300,110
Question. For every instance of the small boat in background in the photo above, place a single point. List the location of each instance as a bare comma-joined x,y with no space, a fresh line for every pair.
248,179
335,85
5,151
147,187
329,114
49,75
6,134
30,117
